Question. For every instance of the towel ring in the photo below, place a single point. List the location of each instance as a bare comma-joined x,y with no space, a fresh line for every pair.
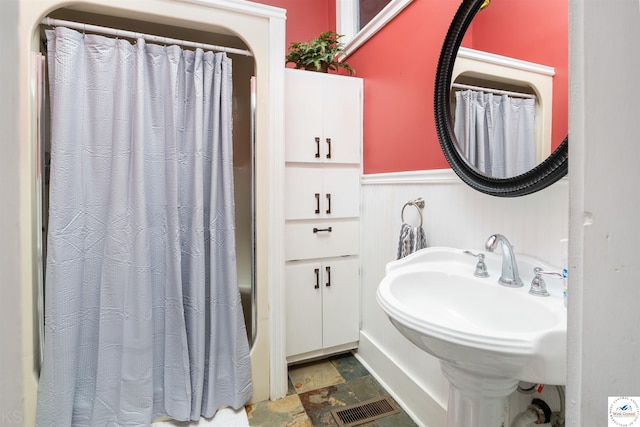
418,203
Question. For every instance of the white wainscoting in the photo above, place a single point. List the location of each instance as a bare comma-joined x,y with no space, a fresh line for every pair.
454,215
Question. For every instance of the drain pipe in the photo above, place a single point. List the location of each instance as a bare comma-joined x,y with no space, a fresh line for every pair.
525,418
537,413
558,417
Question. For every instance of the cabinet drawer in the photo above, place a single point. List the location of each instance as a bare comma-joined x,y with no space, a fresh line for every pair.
315,193
301,242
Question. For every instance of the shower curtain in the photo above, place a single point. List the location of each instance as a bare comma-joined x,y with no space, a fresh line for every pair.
142,310
496,133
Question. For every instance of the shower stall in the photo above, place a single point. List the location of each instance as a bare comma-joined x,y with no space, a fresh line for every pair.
243,146
255,28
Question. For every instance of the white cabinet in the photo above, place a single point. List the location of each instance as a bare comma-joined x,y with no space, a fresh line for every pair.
323,114
322,304
323,131
321,239
321,192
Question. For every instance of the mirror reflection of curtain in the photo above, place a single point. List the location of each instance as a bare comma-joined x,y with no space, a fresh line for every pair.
496,133
143,314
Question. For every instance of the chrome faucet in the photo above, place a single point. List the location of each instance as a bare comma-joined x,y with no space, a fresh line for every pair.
510,276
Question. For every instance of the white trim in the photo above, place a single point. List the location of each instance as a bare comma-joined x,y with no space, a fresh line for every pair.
505,61
278,383
436,176
243,7
346,13
398,382
321,353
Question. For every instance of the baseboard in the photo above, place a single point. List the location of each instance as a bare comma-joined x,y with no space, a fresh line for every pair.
225,417
416,402
321,353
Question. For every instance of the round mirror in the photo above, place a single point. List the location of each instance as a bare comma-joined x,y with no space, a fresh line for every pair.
509,167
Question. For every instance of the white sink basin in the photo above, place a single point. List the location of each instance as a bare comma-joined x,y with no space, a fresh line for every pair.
476,324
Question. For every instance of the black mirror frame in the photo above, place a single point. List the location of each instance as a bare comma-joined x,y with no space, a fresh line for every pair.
546,173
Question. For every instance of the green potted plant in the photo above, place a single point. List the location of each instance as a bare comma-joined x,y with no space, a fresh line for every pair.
318,54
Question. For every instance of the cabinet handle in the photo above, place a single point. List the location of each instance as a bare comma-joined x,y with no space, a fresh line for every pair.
317,271
328,203
329,148
317,203
328,270
317,147
316,230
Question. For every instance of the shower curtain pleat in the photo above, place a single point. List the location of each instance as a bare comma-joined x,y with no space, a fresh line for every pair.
496,134
143,313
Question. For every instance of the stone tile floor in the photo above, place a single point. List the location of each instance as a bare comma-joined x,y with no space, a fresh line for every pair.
316,388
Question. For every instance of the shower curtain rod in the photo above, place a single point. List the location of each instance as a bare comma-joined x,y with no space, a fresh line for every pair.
496,91
133,35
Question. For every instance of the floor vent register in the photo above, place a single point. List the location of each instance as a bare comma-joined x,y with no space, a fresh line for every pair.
364,412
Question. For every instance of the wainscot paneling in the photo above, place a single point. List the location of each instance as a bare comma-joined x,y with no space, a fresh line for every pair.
457,216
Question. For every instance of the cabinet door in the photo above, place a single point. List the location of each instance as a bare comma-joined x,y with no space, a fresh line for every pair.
330,192
341,192
304,196
342,120
340,302
303,116
323,117
303,307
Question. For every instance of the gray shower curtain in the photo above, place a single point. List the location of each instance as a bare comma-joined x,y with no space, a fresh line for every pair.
142,310
496,133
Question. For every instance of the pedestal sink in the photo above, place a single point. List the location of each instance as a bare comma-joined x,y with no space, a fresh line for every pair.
488,337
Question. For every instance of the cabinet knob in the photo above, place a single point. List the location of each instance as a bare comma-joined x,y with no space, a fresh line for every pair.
328,148
317,147
317,271
317,203
328,271
328,203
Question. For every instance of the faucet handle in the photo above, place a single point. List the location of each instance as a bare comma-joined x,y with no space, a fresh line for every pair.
538,286
481,267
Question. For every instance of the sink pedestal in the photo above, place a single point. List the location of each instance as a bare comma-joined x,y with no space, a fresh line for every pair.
476,399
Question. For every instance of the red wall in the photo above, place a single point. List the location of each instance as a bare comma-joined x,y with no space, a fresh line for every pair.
398,65
305,18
